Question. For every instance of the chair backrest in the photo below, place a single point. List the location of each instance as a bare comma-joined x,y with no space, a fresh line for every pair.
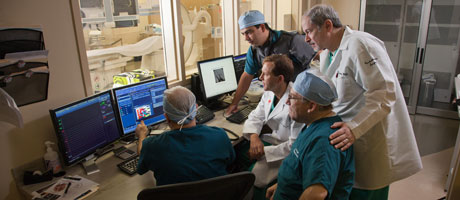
232,187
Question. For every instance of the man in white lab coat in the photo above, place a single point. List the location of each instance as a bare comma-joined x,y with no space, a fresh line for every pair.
272,111
370,102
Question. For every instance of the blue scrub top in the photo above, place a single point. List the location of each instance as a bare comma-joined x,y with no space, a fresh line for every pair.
313,160
191,154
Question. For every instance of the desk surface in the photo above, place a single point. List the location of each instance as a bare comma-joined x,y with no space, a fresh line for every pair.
113,183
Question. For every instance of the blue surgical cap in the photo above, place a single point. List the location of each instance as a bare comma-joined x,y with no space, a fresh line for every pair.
251,18
314,88
181,108
178,116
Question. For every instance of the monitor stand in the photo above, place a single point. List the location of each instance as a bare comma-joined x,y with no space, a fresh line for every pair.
128,139
90,165
216,105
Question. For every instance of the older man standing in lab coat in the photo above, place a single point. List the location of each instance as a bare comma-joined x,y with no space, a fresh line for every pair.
370,102
272,111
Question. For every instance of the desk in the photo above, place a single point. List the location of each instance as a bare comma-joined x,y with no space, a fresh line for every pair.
113,183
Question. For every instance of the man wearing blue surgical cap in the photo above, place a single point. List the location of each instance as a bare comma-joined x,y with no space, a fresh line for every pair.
314,169
188,152
264,42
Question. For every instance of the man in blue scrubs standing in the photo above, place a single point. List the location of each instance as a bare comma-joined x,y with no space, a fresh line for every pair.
188,152
264,42
314,169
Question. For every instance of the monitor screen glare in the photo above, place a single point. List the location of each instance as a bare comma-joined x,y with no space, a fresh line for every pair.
141,101
218,76
84,126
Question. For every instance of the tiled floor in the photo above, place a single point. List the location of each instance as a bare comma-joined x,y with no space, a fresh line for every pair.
428,183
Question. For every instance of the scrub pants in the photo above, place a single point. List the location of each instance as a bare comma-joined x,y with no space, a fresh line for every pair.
379,194
244,163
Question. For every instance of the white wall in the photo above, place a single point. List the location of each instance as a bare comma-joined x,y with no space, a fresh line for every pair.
348,11
19,146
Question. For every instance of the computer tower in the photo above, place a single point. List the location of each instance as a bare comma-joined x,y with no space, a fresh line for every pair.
196,87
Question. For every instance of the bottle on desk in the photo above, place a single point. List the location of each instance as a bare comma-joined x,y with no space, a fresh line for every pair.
51,158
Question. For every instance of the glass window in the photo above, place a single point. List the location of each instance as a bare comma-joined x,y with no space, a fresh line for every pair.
286,15
246,5
123,40
202,32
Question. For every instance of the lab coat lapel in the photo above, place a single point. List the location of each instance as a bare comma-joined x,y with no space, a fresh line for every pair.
268,104
325,67
280,106
330,70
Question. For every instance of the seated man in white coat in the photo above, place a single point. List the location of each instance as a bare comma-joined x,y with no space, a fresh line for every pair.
272,111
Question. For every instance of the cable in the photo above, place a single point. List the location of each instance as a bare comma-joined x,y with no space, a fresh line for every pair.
232,133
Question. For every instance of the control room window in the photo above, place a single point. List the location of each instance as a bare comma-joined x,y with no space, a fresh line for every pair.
202,32
123,41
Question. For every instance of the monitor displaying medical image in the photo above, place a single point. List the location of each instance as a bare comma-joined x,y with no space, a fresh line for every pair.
217,76
141,101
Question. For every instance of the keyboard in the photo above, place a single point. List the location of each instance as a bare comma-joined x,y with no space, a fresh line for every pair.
124,153
203,114
241,115
129,166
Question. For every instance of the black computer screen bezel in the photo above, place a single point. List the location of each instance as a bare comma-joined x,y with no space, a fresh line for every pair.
243,54
130,134
202,81
60,139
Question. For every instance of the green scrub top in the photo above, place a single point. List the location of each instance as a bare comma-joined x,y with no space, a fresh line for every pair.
313,160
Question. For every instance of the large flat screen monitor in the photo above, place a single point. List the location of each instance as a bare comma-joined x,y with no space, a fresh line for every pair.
217,76
140,101
85,126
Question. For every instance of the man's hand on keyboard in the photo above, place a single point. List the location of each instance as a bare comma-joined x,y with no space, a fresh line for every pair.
230,110
256,149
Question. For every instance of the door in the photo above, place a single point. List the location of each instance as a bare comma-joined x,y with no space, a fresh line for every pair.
397,24
438,58
422,40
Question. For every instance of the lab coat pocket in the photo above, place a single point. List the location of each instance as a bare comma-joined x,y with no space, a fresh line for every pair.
345,88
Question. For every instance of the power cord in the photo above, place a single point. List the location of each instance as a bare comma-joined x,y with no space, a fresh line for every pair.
232,133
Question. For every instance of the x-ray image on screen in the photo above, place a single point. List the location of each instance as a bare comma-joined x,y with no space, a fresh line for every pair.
219,75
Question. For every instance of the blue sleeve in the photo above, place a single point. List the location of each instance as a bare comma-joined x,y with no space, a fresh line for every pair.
251,66
141,166
320,164
144,163
228,143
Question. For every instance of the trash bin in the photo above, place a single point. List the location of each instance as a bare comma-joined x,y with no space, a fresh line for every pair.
427,90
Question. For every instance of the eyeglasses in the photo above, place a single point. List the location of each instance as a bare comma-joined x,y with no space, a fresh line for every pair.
291,97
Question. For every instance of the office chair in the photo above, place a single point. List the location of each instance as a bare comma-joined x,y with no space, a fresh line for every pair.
232,187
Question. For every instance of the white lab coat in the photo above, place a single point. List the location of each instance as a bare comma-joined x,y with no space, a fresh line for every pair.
370,101
285,131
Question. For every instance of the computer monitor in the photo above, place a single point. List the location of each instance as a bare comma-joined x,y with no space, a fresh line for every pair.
85,126
217,77
140,101
240,62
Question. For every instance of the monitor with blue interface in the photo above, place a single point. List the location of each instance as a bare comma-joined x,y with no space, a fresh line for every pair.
239,62
140,101
85,126
217,77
